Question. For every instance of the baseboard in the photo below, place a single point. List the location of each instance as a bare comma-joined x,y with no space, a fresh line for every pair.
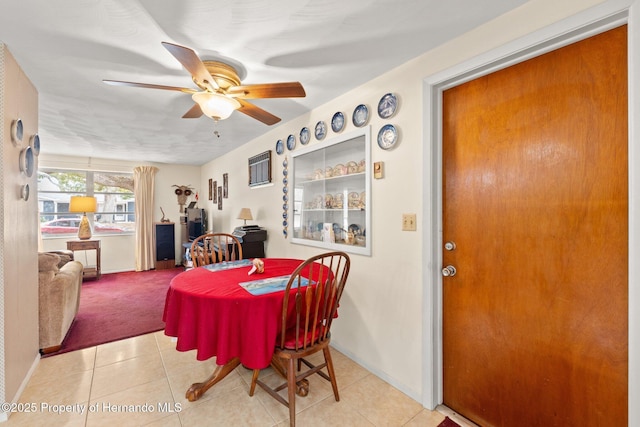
383,376
117,271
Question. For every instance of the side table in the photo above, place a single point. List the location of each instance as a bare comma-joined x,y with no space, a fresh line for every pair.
87,245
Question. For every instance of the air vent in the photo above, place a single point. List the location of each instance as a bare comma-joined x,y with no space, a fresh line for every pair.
260,169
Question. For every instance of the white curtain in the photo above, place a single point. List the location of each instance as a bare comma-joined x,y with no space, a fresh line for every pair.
143,188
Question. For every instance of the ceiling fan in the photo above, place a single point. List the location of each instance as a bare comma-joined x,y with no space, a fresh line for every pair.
221,91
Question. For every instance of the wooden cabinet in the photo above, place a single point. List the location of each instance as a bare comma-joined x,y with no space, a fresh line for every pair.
89,272
331,197
252,239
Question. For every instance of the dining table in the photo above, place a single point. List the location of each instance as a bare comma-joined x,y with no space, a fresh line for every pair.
221,311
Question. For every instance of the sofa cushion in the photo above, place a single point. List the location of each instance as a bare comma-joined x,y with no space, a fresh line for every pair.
64,258
48,261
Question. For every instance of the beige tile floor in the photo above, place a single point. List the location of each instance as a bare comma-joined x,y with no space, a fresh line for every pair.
142,382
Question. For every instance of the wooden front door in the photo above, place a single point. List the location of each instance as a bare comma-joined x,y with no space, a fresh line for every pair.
535,200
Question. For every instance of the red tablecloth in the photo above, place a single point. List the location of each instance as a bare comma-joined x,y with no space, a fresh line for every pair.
210,312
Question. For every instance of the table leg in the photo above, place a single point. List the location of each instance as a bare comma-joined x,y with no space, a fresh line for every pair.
196,390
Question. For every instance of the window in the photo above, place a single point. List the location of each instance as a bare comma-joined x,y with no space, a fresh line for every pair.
113,191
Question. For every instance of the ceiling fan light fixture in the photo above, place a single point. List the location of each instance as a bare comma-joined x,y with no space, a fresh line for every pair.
215,105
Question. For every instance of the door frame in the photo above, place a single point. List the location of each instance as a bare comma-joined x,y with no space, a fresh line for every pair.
580,26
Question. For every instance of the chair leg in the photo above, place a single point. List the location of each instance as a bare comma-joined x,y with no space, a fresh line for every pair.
291,390
332,375
254,380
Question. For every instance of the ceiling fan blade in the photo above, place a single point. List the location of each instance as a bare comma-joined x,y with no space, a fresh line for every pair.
193,113
188,58
268,90
257,113
149,86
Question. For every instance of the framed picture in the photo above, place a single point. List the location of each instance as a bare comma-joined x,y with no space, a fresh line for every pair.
219,198
210,189
215,191
225,185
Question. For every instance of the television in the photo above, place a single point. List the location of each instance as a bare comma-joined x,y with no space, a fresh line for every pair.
196,223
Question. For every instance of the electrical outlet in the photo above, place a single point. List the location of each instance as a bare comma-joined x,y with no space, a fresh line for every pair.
408,222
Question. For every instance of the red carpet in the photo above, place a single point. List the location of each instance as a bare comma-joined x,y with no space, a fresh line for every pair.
118,306
448,422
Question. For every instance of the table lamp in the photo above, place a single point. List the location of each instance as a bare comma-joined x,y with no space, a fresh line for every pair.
245,213
83,204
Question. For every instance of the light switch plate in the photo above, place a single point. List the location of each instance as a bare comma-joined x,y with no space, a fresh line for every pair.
378,170
409,222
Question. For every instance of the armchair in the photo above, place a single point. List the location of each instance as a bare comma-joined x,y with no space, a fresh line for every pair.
59,299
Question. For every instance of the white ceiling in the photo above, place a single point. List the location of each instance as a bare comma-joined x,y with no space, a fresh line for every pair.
67,47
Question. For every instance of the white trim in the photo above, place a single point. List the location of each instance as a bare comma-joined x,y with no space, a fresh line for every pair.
597,19
633,37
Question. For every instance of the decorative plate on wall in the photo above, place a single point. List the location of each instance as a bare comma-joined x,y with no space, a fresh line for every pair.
360,115
321,130
17,132
291,142
24,192
337,122
387,137
34,143
285,196
387,106
305,136
280,146
27,162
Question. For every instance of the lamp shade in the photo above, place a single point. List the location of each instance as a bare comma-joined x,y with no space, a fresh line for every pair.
245,213
82,204
215,105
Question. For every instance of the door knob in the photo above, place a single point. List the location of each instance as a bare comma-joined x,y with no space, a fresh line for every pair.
450,246
449,270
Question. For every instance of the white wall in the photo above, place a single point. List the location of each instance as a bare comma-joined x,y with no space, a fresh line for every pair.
118,252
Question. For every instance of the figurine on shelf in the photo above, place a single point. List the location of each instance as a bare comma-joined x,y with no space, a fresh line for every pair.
163,218
350,238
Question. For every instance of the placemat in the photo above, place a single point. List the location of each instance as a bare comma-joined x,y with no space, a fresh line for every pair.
272,284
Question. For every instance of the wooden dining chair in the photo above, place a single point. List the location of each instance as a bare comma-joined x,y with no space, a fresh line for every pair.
215,247
310,305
